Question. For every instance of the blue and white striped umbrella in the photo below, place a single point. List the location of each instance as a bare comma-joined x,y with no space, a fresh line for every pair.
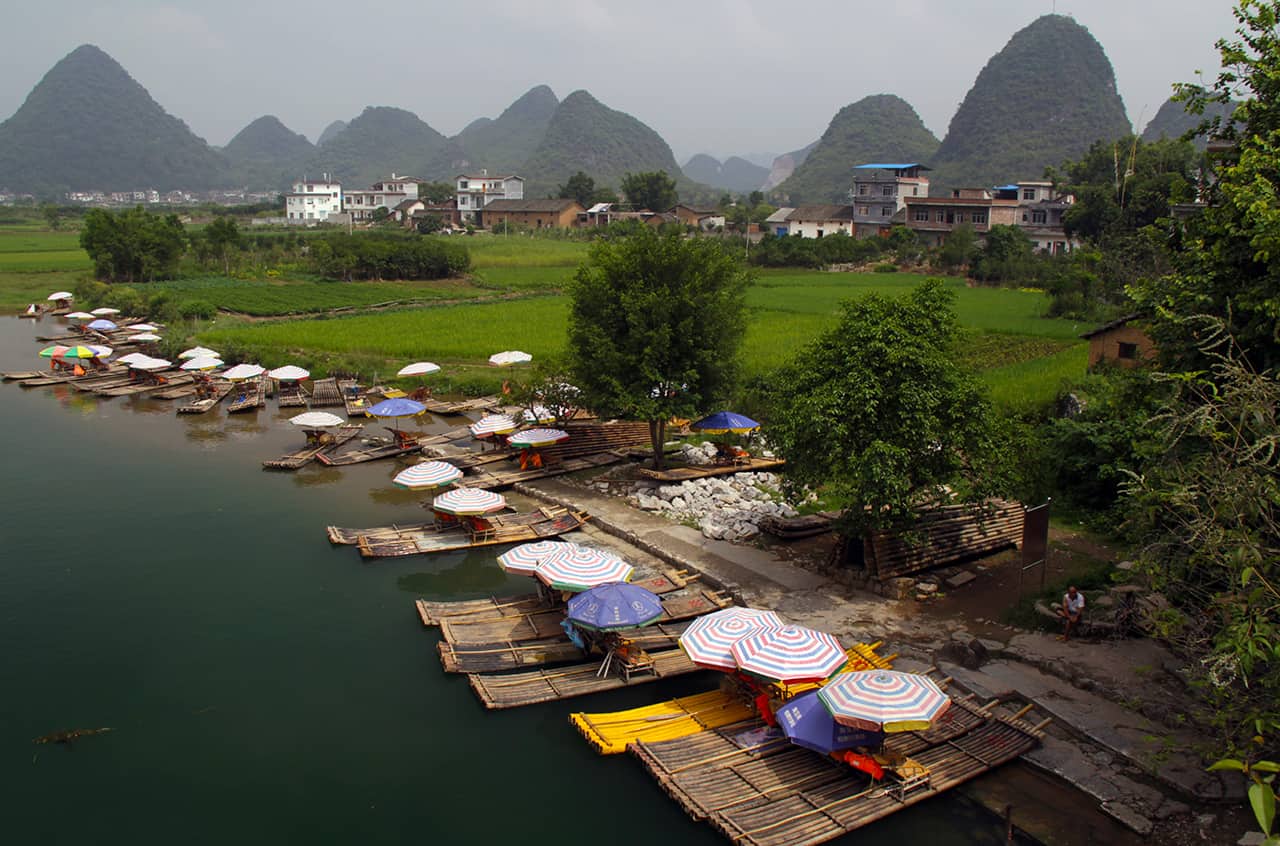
522,560
709,640
538,437
789,654
427,475
884,700
469,502
581,569
492,424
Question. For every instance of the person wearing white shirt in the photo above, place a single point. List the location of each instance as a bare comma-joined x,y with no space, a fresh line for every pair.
1072,611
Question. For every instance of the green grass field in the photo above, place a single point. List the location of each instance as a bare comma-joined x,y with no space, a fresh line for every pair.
309,297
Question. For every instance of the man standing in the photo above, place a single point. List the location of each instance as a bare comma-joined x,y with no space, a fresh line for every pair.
1072,611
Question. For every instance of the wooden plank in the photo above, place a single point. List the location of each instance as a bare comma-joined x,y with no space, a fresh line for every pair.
514,690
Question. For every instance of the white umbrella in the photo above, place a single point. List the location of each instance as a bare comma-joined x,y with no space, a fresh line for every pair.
243,371
105,311
131,358
418,368
316,420
61,295
145,337
80,315
289,373
152,364
196,352
101,351
509,357
142,327
204,362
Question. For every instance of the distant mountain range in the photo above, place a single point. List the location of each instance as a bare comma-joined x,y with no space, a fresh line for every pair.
1045,97
1173,121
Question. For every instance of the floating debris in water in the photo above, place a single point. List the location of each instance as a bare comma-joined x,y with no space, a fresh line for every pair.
69,735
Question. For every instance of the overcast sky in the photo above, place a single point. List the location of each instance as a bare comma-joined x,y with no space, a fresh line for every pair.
719,76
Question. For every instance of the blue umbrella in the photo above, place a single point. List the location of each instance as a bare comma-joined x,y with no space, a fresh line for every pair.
102,325
614,607
809,724
725,421
398,407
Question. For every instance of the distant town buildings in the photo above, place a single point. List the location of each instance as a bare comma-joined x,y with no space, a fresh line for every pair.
313,201
476,191
386,194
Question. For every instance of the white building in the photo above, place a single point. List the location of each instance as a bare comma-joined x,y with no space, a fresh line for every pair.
313,201
385,194
818,221
475,191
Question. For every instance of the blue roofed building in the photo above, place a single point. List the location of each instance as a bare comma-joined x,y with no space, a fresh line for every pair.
880,192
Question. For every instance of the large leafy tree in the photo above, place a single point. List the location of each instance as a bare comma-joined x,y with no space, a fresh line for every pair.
578,187
877,413
655,325
653,190
133,245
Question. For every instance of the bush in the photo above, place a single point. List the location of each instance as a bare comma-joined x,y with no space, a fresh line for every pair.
197,310
387,256
886,267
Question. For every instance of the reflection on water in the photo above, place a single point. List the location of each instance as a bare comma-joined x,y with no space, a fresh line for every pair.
315,474
393,495
467,576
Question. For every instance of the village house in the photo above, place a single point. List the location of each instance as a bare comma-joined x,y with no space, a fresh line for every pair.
933,218
475,191
385,194
413,211
704,219
776,223
1121,342
880,192
1040,213
819,221
530,214
313,201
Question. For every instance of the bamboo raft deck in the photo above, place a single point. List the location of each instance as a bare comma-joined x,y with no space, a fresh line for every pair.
744,465
220,391
435,613
436,406
612,733
325,393
94,383
529,687
291,395
776,793
498,480
302,457
171,380
21,375
555,522
254,396
179,392
47,378
354,398
369,452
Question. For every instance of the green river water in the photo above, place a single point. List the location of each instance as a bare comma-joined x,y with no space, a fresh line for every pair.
262,686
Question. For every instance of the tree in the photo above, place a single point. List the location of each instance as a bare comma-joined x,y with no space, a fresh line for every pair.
430,223
52,216
579,187
1006,257
222,236
959,249
653,190
435,192
876,413
655,325
133,245
604,195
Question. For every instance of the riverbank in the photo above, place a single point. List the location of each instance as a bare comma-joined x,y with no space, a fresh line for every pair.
1139,775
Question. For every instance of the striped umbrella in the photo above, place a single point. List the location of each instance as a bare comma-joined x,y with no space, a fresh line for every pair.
99,351
492,424
522,560
709,640
79,351
789,654
807,723
884,700
538,437
582,569
54,351
316,420
614,608
427,475
468,502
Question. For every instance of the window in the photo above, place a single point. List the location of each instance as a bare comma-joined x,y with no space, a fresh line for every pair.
922,215
864,211
862,191
1127,351
978,217
940,217
886,211
1028,193
887,191
915,190
1039,217
462,201
821,233
462,184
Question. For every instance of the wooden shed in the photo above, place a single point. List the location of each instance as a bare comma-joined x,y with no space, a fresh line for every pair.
1122,342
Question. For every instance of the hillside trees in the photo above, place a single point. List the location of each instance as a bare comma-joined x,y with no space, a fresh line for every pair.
133,245
654,190
655,326
578,187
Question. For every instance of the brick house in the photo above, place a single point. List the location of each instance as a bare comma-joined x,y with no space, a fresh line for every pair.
533,214
1121,342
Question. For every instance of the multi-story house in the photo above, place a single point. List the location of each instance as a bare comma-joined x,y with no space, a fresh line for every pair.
1040,213
313,201
933,218
385,194
880,191
475,191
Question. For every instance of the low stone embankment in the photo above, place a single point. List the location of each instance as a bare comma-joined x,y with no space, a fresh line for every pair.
723,508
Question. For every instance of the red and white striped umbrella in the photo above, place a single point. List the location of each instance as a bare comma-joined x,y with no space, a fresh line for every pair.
538,437
522,560
709,640
428,475
469,502
789,654
492,424
581,569
884,700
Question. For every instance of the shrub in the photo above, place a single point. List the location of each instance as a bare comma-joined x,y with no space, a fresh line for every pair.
197,310
886,267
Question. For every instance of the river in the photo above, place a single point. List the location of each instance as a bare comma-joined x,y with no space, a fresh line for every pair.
261,685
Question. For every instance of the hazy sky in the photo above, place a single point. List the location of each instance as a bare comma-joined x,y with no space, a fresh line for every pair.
719,76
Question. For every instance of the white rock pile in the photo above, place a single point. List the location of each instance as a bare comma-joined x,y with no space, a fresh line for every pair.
724,508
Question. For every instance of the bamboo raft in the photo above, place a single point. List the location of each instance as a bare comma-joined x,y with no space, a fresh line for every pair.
612,733
171,380
436,406
370,452
250,395
354,398
777,794
304,456
291,395
742,465
435,613
94,383
67,377
351,537
220,390
553,523
497,480
20,375
529,687
325,393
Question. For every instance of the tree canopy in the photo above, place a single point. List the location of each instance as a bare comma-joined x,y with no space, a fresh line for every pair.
133,245
654,190
655,326
877,413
